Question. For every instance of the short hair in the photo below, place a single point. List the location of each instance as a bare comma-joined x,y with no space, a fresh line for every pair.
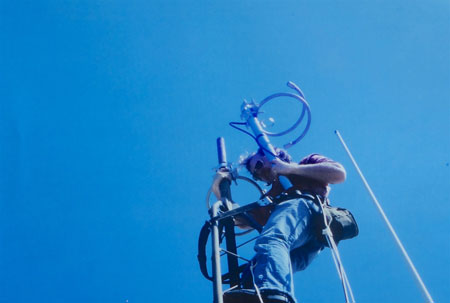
281,154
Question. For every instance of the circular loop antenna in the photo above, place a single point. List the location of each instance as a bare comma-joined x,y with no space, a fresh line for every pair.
305,110
261,191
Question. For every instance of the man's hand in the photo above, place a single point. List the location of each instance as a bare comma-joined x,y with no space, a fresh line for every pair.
282,168
217,179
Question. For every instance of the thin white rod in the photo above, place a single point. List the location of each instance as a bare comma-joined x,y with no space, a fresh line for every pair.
397,239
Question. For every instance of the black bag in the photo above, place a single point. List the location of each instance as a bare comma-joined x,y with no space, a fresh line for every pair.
342,224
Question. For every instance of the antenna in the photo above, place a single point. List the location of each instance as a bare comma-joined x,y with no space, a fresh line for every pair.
386,220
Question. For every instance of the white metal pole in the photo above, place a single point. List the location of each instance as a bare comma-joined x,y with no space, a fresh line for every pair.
397,239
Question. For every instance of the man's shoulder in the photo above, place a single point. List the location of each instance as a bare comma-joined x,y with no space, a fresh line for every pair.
314,159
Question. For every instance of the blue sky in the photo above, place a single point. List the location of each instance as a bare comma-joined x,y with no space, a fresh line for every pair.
109,111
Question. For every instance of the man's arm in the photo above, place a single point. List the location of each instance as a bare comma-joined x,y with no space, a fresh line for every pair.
327,172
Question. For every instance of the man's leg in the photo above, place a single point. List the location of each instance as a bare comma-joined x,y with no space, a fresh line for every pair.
288,227
302,256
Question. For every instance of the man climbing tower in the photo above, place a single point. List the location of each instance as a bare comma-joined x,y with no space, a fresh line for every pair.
288,242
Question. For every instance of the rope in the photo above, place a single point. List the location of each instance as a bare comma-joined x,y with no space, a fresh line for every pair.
336,256
254,283
233,254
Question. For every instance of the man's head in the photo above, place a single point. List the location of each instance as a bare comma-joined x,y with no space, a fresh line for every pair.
261,168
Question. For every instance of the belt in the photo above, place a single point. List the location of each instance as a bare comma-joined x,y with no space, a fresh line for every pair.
276,296
298,194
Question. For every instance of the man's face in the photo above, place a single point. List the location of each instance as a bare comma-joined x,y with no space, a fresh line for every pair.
261,169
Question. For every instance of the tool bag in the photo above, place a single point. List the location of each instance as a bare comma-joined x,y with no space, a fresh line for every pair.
342,224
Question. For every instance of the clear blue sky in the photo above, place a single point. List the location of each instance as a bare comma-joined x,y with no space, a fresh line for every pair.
109,111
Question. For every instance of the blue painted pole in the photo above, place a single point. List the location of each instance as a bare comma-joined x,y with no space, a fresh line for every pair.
250,115
221,152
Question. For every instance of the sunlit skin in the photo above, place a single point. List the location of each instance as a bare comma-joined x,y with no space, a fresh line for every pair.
268,171
326,172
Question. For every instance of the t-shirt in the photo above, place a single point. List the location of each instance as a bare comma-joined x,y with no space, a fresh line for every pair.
261,214
303,183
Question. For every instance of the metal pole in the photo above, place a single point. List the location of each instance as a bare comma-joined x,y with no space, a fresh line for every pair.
397,239
221,152
217,274
249,113
225,193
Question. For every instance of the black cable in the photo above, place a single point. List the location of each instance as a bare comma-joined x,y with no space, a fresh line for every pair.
232,124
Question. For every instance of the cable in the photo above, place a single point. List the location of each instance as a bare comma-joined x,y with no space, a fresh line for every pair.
258,293
232,124
336,256
233,254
